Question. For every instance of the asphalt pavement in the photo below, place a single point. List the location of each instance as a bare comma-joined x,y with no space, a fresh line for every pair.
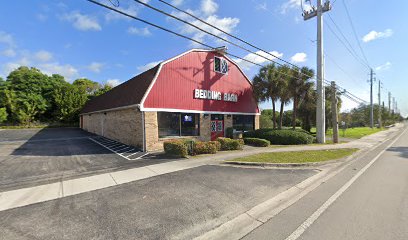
31,157
367,200
177,205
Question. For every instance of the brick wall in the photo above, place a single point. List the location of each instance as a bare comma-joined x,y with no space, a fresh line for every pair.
122,125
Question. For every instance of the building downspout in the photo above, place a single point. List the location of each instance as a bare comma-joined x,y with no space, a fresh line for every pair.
143,129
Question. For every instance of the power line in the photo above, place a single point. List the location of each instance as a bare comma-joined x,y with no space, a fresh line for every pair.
348,49
223,39
188,38
346,40
208,24
164,29
228,34
355,32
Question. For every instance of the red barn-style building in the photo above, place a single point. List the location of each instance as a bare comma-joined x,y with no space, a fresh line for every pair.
197,94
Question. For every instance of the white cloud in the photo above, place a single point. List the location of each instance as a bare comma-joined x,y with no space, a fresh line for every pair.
227,24
66,70
95,67
139,31
9,53
82,22
7,39
256,59
207,12
131,10
299,57
209,7
113,82
373,35
177,2
43,56
148,66
42,17
383,67
294,4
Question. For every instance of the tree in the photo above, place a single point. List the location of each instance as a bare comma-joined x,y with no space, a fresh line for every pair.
266,87
29,105
3,115
86,85
299,85
103,89
284,93
69,101
307,109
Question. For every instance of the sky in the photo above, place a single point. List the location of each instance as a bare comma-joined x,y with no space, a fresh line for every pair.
79,39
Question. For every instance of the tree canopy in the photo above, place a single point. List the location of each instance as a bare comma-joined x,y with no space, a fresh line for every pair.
28,95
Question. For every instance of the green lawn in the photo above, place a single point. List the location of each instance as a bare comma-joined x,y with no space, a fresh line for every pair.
297,157
357,132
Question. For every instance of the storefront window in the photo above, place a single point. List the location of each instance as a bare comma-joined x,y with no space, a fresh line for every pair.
243,122
178,124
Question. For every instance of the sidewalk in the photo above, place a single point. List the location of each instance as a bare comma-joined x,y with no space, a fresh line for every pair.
27,196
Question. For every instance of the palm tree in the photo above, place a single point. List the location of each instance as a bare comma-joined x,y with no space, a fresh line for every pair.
284,93
266,87
299,85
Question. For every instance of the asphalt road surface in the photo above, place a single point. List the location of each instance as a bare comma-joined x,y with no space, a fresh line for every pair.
368,200
30,157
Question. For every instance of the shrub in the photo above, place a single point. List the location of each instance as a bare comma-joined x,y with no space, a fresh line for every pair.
258,142
175,148
230,144
283,137
216,144
205,148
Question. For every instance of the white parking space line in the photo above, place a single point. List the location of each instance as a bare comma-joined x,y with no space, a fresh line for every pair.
309,221
117,147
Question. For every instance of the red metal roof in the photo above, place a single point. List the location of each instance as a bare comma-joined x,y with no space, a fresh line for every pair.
170,87
173,89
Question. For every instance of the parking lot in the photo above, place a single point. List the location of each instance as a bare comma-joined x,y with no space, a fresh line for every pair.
37,156
177,205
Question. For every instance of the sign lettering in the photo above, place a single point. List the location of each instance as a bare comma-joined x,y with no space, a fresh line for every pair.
215,95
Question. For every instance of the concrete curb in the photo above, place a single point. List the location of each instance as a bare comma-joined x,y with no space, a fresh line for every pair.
286,165
246,222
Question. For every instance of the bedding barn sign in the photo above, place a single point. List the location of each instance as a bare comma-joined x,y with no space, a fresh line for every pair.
214,95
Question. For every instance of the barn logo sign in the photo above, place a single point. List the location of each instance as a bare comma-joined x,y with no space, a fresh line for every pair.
214,95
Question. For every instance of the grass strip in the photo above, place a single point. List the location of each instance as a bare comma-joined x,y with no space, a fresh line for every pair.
297,156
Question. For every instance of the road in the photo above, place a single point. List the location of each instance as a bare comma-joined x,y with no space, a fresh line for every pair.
368,200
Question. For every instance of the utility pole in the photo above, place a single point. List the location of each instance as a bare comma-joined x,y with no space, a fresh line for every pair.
335,121
393,105
379,104
320,105
389,102
371,99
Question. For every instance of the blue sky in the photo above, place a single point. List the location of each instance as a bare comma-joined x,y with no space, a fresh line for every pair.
79,39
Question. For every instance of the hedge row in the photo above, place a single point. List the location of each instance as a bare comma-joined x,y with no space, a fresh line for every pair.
257,142
185,147
230,144
281,137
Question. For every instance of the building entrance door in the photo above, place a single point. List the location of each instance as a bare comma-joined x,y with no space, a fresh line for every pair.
217,126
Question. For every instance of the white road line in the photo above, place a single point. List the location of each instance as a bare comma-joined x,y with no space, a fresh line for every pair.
133,154
112,150
123,148
306,224
117,148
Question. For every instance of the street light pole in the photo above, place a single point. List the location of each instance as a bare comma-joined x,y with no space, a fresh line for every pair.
320,105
